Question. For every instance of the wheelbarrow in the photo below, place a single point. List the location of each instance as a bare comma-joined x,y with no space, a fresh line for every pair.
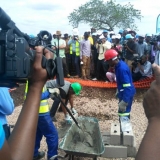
72,145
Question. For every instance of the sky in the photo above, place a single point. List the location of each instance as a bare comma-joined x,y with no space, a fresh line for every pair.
31,16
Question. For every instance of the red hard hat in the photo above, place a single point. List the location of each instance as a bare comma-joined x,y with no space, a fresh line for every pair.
110,54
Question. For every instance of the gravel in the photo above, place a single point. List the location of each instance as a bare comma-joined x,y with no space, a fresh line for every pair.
93,102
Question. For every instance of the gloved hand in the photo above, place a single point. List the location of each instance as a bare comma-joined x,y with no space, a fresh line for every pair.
122,106
53,92
116,94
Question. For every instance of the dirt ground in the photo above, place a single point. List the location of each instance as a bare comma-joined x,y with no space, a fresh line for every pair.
94,102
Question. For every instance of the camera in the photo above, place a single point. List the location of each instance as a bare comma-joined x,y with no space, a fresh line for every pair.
99,41
155,40
17,54
136,61
75,38
43,38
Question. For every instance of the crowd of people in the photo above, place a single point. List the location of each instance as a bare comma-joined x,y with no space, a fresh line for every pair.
83,57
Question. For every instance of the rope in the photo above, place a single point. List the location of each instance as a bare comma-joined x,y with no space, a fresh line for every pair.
143,84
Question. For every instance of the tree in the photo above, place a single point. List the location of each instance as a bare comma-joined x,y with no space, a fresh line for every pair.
104,15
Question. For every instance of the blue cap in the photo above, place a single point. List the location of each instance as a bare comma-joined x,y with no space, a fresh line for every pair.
105,31
31,36
129,36
137,36
2,136
121,31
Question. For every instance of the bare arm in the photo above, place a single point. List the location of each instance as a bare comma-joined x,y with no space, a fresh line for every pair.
149,148
21,142
71,100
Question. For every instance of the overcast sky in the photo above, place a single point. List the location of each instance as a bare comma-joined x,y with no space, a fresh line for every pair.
31,16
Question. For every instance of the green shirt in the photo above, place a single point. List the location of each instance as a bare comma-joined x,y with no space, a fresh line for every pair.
61,42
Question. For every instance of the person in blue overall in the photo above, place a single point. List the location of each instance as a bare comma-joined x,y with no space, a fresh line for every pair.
126,89
45,127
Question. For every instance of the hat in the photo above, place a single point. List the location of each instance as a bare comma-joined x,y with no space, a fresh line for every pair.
114,36
141,35
128,29
98,32
58,32
31,36
148,35
118,36
129,36
94,34
105,31
121,31
102,37
111,32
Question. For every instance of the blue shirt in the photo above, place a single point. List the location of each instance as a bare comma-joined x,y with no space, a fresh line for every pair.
73,42
6,104
125,86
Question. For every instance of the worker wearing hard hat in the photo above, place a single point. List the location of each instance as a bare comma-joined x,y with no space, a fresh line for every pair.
74,54
126,89
66,93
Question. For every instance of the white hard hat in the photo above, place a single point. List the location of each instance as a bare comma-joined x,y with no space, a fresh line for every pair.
111,32
114,36
118,36
99,32
102,37
75,31
128,29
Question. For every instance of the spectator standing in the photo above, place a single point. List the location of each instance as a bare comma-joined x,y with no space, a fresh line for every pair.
61,48
75,54
141,46
102,45
130,47
85,56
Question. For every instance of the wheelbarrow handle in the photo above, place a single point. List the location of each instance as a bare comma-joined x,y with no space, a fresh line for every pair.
57,156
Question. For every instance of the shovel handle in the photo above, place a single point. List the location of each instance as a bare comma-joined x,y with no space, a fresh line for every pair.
58,96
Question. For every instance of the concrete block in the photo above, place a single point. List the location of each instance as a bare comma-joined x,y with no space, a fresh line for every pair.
115,134
131,150
128,138
115,152
106,138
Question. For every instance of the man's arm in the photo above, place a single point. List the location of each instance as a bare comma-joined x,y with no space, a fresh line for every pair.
131,48
106,46
45,95
81,50
71,100
21,142
149,148
63,46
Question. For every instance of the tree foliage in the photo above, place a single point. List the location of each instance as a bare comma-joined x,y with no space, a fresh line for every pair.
104,15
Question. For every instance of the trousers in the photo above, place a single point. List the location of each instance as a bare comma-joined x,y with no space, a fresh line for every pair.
46,128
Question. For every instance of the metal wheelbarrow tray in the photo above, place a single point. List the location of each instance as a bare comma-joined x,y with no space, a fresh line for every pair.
73,146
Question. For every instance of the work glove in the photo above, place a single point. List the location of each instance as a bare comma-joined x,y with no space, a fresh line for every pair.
53,92
116,94
122,106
